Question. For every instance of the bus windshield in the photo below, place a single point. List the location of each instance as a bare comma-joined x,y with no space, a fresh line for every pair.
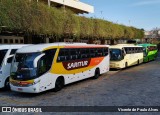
144,52
23,66
2,55
27,66
115,54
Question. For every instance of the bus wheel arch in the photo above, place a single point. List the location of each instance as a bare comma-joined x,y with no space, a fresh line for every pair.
59,84
97,73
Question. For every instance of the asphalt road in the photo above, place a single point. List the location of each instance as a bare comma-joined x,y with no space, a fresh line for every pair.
134,86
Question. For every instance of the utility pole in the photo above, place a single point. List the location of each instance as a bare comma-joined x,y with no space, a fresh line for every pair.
102,14
129,22
64,5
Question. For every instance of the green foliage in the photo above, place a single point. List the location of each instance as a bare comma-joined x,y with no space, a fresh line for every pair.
38,18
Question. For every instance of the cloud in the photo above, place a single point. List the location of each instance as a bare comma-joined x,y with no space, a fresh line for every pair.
148,2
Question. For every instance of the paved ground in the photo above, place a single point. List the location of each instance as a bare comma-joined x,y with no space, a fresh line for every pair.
134,86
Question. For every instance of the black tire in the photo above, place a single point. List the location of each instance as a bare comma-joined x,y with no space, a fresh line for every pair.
6,85
59,84
126,65
97,74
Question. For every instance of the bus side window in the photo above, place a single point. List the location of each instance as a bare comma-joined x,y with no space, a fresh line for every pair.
73,54
136,50
13,51
126,50
9,60
139,50
96,52
100,52
129,50
45,63
105,51
92,53
83,53
142,49
123,52
132,50
63,55
88,53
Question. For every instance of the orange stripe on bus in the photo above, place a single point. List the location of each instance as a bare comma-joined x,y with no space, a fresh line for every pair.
96,61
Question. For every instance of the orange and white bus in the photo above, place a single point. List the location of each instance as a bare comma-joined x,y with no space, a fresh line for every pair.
38,68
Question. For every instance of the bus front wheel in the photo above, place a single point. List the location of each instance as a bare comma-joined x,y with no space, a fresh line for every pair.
126,65
59,84
7,86
97,73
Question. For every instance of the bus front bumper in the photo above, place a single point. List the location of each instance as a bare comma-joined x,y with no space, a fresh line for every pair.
29,89
1,81
115,66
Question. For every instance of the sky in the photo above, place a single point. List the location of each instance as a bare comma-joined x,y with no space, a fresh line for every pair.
137,13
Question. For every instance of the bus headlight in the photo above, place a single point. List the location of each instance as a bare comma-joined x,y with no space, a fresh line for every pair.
36,81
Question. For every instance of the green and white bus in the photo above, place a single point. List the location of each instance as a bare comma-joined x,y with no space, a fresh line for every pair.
150,51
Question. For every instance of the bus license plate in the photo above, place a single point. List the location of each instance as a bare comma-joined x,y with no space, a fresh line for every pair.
20,89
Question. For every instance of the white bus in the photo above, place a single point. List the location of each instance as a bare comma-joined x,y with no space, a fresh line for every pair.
124,55
6,54
38,68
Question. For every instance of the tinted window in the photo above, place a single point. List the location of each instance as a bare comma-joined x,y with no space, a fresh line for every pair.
84,53
115,54
105,51
73,54
45,62
2,55
81,53
63,55
13,51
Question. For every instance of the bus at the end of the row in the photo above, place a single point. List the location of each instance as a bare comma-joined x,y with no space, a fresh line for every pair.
150,51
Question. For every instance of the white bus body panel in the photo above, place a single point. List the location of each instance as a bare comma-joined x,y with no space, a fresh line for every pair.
47,80
5,67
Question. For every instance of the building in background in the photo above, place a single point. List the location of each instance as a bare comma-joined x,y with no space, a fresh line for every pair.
152,36
75,5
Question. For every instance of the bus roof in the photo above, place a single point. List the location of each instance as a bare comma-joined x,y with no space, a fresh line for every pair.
146,45
12,46
120,46
42,47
